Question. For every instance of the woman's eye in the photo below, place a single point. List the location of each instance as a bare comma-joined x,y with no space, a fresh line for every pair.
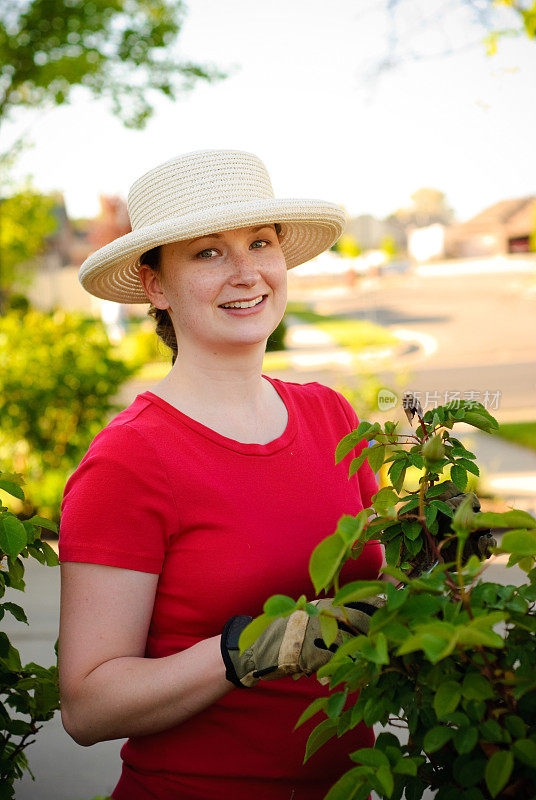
207,250
259,241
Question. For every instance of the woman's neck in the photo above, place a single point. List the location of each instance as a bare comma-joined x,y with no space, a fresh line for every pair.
214,381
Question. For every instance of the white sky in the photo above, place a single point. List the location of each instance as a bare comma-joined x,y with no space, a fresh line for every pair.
297,98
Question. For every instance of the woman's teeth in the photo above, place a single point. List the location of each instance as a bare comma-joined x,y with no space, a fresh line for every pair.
243,303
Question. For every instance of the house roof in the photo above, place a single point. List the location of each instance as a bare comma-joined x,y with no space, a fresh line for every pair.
516,216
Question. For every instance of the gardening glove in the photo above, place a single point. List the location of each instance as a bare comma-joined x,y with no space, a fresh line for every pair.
477,543
291,645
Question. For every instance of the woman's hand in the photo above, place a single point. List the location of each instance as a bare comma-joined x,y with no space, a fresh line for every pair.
292,645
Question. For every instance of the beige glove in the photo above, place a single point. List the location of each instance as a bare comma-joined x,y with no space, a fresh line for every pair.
291,645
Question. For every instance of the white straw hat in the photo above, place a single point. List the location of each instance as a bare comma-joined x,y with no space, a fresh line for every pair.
199,193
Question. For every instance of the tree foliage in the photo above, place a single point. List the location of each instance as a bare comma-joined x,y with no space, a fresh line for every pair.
59,377
26,219
118,49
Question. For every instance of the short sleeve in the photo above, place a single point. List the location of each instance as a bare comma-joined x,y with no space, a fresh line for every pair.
368,484
118,508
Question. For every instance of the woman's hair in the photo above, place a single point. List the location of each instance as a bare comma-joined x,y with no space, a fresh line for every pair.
164,325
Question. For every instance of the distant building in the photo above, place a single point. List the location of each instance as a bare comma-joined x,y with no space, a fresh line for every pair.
370,232
502,228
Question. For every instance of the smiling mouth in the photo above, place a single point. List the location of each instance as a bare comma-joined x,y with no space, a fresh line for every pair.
244,303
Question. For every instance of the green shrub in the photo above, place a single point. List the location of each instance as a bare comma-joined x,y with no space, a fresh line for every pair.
28,694
276,341
58,379
449,658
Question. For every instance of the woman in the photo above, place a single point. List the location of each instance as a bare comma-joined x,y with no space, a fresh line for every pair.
203,498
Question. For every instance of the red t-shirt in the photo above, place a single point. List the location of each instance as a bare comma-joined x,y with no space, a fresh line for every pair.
225,525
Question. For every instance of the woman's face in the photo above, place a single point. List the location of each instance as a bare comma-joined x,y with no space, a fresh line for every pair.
223,289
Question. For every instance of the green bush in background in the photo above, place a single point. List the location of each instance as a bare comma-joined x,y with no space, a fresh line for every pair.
58,380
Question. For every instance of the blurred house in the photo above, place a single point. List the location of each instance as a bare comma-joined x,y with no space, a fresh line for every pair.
370,232
503,228
56,283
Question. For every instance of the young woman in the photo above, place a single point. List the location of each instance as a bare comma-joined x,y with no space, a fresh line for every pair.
203,498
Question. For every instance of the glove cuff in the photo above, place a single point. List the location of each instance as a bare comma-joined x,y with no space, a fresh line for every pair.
229,643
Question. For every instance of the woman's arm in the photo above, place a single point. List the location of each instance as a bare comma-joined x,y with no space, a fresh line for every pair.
108,689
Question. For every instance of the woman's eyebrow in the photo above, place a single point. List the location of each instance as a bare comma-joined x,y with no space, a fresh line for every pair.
219,235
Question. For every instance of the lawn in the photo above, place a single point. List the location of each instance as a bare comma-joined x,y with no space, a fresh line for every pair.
355,334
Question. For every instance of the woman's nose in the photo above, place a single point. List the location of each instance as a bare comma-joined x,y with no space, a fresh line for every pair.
243,269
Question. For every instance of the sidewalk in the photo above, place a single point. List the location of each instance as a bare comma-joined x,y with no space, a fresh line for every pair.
65,771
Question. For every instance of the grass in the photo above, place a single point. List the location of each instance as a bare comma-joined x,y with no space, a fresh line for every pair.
523,433
355,334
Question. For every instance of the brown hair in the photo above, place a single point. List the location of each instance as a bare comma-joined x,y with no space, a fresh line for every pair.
164,325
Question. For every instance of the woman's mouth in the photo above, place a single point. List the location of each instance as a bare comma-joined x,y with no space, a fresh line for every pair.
255,301
244,307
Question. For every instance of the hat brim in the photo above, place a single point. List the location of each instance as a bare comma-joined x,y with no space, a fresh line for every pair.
308,227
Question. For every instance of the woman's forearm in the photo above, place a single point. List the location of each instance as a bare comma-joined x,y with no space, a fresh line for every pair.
133,696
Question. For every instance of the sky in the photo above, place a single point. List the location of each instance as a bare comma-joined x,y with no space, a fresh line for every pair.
300,97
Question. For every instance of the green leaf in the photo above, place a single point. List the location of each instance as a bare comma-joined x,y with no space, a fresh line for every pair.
252,631
12,535
352,786
336,704
498,770
447,698
370,757
374,648
393,550
397,473
470,466
516,726
349,528
436,738
12,489
519,543
525,751
51,557
325,560
412,503
491,731
42,522
442,506
279,605
385,777
430,513
358,590
465,739
329,629
458,475
506,519
406,766
412,529
17,612
351,440
319,704
356,463
319,736
480,421
476,687
375,456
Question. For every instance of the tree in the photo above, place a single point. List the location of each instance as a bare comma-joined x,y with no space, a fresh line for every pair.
26,219
427,206
410,23
118,49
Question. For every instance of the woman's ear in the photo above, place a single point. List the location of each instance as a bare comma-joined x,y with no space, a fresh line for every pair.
152,286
